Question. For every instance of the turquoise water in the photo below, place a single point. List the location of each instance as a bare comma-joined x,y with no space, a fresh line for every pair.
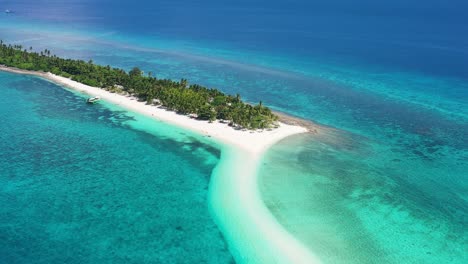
96,184
389,184
357,200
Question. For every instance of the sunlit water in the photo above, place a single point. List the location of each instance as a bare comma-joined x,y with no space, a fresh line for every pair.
357,200
390,184
88,184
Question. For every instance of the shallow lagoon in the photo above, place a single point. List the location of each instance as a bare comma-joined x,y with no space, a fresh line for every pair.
87,184
353,201
399,172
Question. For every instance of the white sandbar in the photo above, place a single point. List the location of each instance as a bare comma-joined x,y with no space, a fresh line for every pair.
252,232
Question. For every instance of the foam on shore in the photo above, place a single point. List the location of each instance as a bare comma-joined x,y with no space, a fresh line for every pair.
252,232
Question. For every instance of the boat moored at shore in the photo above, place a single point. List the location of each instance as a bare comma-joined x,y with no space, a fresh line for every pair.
93,100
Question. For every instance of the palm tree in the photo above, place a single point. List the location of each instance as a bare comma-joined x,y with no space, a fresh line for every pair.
184,83
238,99
208,103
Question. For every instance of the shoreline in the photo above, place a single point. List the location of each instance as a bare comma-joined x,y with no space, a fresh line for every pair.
253,234
253,141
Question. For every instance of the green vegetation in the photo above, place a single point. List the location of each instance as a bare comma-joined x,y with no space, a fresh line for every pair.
202,102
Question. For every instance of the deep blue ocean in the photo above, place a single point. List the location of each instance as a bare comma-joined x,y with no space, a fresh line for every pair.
388,183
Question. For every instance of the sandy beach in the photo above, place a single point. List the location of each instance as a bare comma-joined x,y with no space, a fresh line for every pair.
251,141
252,232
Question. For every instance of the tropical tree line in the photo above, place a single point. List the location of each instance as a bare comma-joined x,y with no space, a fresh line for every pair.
201,102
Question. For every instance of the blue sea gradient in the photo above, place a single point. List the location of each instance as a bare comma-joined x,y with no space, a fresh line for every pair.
387,182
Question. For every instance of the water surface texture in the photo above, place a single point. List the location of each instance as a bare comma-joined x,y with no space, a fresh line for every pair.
357,200
389,184
83,184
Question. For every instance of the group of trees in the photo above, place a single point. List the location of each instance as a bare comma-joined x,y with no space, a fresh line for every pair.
202,102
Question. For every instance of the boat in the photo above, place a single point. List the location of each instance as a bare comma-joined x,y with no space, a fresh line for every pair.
93,100
8,11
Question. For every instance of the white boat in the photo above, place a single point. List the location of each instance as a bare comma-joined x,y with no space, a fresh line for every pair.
8,11
93,100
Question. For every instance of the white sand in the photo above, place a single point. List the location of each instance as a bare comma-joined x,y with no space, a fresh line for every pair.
254,142
251,141
252,232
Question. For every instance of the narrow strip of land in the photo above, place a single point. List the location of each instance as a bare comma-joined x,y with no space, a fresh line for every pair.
254,141
233,188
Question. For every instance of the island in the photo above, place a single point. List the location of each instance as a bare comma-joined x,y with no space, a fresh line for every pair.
187,99
244,132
